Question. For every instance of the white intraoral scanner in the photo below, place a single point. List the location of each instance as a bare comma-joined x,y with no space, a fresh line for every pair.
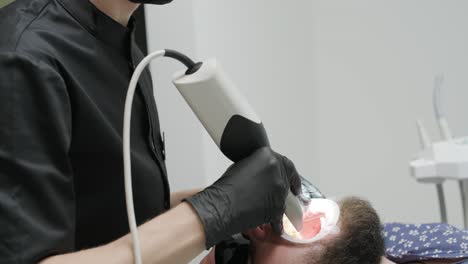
227,116
443,160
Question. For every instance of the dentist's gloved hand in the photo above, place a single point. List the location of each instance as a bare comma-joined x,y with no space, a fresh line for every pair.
309,192
250,193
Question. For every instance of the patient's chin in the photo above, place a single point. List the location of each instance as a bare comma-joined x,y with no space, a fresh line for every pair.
274,253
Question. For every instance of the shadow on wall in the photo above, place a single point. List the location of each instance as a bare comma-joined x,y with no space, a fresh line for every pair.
5,2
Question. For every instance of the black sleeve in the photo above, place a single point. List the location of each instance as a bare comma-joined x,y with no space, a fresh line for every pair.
233,251
36,181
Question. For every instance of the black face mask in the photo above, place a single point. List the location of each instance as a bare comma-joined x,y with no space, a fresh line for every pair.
154,2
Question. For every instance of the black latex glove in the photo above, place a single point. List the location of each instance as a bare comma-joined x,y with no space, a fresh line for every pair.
295,183
250,193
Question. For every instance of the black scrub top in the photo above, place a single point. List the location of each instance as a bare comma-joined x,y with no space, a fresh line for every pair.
233,251
64,71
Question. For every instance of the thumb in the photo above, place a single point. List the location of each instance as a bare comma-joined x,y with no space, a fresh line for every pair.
293,176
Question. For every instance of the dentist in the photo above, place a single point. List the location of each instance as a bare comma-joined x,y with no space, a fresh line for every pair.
64,69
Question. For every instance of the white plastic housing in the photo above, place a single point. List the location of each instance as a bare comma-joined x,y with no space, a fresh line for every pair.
214,98
443,160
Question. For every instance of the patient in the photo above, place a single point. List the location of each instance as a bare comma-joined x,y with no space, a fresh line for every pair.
359,241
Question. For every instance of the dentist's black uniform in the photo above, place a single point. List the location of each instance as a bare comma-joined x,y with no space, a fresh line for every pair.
64,71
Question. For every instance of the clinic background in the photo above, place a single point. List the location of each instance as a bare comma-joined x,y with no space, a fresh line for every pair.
338,84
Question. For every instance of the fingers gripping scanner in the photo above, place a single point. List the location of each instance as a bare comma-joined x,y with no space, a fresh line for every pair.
229,119
227,116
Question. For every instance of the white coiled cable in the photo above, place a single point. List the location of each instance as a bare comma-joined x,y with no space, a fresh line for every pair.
127,154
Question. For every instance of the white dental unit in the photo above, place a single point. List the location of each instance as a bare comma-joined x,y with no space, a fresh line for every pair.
444,160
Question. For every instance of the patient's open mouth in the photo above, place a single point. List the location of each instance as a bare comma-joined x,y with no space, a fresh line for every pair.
311,226
320,219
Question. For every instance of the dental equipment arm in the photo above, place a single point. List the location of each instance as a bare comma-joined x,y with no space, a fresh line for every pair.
445,131
446,135
444,160
426,145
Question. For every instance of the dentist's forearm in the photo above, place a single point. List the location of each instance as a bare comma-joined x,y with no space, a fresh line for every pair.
174,237
177,197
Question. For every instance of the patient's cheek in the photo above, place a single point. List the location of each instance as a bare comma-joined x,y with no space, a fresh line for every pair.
311,225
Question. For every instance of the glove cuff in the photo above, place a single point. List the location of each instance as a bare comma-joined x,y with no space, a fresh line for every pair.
209,216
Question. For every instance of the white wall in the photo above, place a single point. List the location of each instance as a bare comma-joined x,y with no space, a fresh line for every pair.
337,83
261,45
172,27
374,63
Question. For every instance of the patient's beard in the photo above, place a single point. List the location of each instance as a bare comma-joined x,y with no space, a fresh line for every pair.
273,253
